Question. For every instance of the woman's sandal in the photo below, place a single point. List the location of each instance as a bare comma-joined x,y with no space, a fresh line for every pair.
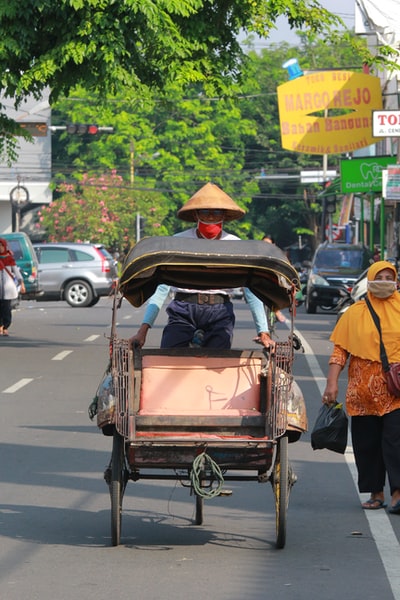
395,509
373,504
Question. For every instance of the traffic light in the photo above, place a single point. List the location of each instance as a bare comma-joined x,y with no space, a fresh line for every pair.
330,204
81,129
92,129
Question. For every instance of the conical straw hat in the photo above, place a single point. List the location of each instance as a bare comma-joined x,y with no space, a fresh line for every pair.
210,196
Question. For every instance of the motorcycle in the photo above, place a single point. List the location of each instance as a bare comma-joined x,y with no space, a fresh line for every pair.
303,271
358,292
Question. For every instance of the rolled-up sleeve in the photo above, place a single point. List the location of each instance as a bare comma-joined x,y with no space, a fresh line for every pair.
155,303
257,310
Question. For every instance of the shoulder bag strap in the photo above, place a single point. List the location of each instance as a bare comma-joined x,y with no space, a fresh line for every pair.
10,274
384,358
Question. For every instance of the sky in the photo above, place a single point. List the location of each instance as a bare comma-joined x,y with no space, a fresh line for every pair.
343,8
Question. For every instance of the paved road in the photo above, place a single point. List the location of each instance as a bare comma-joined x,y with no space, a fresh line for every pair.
55,507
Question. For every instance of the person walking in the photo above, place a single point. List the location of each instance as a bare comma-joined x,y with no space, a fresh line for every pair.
374,412
10,278
203,317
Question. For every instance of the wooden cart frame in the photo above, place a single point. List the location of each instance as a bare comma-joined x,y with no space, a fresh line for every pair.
197,415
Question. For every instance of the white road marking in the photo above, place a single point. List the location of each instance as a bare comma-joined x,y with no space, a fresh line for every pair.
378,520
62,355
91,338
382,532
17,386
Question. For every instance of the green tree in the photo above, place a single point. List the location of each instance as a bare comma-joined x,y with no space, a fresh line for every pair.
110,47
168,149
106,45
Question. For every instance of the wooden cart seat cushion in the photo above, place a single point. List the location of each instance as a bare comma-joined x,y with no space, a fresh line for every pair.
172,385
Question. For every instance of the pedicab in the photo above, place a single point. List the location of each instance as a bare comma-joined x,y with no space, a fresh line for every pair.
196,415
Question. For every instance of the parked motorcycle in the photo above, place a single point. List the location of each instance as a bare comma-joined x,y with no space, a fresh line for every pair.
358,292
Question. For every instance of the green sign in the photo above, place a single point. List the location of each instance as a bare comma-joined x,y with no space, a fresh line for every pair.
363,175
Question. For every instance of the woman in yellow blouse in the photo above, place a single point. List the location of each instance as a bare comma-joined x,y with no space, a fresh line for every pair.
375,414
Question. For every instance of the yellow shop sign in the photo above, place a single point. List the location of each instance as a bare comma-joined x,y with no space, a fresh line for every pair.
329,112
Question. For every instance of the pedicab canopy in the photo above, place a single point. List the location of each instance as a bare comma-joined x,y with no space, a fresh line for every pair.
208,264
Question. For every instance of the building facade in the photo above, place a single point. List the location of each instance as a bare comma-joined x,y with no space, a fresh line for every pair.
25,184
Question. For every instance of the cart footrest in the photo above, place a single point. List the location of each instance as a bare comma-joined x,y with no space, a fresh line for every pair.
199,438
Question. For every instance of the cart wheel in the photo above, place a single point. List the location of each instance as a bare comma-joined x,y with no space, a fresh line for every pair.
280,484
117,486
199,510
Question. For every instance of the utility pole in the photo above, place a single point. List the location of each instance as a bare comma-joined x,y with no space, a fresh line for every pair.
132,174
138,220
132,163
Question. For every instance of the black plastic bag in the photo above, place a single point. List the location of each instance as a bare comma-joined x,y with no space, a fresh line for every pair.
330,429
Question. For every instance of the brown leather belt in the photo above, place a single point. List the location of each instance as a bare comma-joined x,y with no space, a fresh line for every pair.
202,298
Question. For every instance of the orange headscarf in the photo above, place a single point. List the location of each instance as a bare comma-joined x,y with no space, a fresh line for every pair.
356,332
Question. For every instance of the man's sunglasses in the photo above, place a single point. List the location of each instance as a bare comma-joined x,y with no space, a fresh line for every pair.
206,212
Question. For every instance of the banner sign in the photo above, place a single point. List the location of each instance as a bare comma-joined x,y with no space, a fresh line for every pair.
363,175
386,123
392,183
366,212
345,212
36,129
328,112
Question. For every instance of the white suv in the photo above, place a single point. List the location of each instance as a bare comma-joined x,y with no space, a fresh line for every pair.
77,273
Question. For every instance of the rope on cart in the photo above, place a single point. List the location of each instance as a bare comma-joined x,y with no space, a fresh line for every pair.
201,463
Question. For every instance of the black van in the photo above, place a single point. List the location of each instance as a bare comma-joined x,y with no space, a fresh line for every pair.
25,257
334,270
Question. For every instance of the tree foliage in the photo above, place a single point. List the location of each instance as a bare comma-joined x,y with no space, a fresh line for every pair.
109,46
106,45
166,149
169,149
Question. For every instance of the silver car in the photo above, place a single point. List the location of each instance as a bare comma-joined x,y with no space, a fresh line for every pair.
77,273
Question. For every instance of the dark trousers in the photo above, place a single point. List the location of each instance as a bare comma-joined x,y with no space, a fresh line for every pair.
5,313
376,444
184,318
